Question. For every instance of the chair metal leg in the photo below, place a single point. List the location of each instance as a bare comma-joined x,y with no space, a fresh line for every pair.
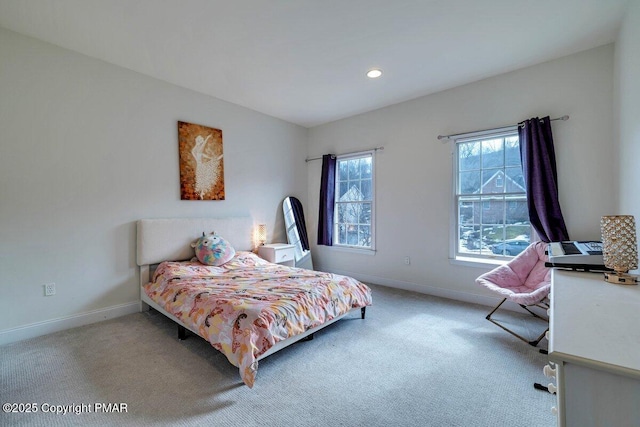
531,312
494,310
534,342
537,340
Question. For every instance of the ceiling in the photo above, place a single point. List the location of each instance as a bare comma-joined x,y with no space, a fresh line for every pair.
305,61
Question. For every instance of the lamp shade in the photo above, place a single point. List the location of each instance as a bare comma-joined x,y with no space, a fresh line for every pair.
262,233
619,247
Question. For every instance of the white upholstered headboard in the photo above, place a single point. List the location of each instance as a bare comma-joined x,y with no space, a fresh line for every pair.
170,239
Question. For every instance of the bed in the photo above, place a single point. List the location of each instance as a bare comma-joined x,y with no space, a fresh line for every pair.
247,308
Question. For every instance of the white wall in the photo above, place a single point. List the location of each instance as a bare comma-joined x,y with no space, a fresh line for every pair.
88,148
628,111
414,172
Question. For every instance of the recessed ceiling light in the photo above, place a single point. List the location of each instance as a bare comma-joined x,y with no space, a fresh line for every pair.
374,74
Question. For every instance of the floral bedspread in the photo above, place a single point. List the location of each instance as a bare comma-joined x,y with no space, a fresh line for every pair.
247,305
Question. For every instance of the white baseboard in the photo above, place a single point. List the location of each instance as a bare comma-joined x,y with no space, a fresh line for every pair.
429,290
54,325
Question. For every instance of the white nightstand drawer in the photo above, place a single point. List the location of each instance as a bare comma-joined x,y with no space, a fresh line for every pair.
278,253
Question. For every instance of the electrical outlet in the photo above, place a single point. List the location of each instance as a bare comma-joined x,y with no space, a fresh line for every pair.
407,260
49,289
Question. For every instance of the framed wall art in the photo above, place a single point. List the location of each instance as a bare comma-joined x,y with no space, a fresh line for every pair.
201,162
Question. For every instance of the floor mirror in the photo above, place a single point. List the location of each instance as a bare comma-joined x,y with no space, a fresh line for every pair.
297,231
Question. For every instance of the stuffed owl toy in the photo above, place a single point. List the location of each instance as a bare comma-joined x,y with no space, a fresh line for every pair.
211,249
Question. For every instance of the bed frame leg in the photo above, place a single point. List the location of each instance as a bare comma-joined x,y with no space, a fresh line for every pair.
363,311
182,333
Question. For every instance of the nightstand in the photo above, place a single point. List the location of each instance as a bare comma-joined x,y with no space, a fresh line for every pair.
279,253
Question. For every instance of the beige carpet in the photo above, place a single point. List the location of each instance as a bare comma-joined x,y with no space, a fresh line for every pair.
415,360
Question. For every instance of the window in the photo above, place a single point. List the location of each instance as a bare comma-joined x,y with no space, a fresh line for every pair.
491,214
354,202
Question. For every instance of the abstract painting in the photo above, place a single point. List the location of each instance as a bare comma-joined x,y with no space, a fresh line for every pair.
201,162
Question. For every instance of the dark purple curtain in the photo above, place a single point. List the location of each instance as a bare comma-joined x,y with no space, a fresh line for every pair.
301,226
541,179
327,195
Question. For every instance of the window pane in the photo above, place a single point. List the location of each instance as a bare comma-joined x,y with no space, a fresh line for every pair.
467,212
494,216
470,240
512,151
365,167
354,168
494,213
364,235
342,209
354,191
349,212
495,234
469,182
493,223
352,212
488,233
492,181
344,187
365,213
352,234
343,170
342,234
517,212
493,153
468,156
463,234
515,180
519,232
365,188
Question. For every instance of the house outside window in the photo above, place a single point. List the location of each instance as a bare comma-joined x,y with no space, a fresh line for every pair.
354,201
490,200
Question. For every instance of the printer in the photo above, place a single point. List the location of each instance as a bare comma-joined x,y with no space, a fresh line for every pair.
576,255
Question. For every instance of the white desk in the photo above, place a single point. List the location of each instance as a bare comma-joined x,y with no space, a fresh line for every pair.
594,341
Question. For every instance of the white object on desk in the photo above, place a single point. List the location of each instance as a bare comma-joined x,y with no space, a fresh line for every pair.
595,344
279,253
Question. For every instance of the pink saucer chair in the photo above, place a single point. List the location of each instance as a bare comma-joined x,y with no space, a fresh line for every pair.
524,280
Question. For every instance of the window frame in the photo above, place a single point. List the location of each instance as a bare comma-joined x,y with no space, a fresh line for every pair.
336,202
507,198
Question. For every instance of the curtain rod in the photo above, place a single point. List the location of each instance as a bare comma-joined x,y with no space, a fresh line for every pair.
563,118
346,154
